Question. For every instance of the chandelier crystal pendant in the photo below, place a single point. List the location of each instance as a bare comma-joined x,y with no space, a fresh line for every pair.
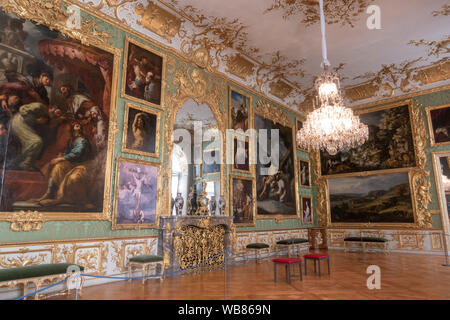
330,126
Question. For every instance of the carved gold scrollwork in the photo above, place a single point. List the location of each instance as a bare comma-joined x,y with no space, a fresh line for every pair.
269,111
52,14
239,66
22,261
159,21
280,89
26,221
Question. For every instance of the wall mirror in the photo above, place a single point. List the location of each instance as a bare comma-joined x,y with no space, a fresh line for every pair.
196,160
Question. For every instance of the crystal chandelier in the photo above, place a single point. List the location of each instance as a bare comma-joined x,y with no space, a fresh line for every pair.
331,126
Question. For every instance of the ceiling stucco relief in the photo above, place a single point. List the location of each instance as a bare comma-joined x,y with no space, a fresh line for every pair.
344,12
273,46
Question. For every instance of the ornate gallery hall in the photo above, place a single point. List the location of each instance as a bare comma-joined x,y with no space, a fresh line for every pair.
255,151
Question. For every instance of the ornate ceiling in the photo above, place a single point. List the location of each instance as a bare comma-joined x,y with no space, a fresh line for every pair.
273,46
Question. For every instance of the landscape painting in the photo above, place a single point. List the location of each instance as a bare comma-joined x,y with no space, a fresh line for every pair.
56,96
379,198
439,123
276,185
136,194
390,145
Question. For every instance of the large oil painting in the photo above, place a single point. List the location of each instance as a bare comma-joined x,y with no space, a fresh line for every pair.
439,124
379,198
56,96
136,194
390,144
276,191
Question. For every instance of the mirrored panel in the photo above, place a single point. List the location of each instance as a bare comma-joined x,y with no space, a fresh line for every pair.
196,160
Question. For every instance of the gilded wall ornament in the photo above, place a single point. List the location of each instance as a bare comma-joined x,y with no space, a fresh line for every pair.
345,12
22,261
239,66
159,21
444,11
269,111
26,221
52,14
280,89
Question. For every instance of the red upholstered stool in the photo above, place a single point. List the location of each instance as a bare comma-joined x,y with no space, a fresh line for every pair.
287,262
317,258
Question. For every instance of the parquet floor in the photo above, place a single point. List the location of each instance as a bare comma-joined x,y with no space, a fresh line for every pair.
403,276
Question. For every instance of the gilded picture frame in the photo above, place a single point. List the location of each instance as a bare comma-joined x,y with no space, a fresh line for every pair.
234,177
298,126
432,130
305,200
246,141
118,187
126,145
389,225
250,107
307,173
55,19
131,41
279,118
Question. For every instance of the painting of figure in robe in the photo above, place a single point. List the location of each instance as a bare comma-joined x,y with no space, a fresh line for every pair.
275,183
439,122
55,96
239,110
390,145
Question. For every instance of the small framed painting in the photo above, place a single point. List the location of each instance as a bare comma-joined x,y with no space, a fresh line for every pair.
243,200
307,215
143,75
141,131
135,196
305,173
241,158
239,106
298,126
439,124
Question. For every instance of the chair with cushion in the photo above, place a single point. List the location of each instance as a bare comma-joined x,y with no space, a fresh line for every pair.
288,262
144,262
316,258
37,275
296,242
258,247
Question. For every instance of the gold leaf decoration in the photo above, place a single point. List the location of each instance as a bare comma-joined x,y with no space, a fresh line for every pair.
269,111
26,221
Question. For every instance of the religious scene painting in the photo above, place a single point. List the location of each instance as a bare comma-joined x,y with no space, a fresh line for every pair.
276,190
239,110
144,74
390,145
306,210
305,175
242,200
379,198
241,155
136,194
56,97
439,123
141,131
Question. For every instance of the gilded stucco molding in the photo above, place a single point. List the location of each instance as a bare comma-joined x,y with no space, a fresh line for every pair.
239,66
444,11
52,14
344,12
435,48
26,221
269,111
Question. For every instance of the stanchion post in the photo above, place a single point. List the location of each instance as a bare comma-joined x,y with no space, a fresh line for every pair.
446,264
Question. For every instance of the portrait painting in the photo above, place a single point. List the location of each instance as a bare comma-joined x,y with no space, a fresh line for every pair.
57,98
241,158
242,202
305,173
378,198
298,126
141,131
136,189
276,182
143,74
389,146
439,124
210,165
239,110
307,215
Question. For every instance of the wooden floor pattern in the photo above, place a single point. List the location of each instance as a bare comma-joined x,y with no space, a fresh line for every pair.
403,276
